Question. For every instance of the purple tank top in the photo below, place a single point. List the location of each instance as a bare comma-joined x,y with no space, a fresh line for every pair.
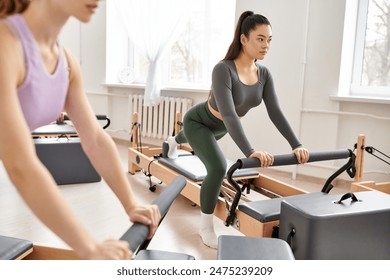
41,95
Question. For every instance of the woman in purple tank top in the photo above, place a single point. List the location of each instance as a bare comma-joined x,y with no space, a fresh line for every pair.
39,80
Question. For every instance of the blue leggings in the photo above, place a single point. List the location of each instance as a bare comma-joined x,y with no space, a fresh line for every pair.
201,129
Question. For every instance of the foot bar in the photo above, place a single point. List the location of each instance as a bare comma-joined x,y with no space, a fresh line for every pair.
136,235
290,159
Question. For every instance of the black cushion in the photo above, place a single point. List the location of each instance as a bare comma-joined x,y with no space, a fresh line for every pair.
161,255
193,168
269,209
11,248
66,160
232,247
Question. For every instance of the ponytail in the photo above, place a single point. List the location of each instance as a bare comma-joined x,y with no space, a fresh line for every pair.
247,22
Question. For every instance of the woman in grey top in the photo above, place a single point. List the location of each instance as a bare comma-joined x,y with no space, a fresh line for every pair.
239,83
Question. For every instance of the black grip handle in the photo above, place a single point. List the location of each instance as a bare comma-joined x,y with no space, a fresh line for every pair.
101,117
346,196
138,232
290,159
98,117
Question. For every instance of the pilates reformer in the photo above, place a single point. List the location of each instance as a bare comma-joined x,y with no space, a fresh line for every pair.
307,213
271,207
58,147
62,127
150,160
14,248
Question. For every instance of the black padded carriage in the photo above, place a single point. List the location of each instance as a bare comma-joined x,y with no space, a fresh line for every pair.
192,167
59,149
14,248
231,247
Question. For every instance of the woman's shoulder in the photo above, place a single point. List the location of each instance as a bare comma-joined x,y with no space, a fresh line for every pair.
9,40
262,67
5,31
225,64
264,72
225,68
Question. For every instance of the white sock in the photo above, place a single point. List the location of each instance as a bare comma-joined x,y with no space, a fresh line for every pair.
172,150
207,232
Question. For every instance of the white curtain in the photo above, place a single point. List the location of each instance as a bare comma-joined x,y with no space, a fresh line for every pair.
153,27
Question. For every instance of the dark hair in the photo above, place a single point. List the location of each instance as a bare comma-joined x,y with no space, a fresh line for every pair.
9,7
247,22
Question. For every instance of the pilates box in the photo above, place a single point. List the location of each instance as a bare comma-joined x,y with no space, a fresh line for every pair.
338,227
66,160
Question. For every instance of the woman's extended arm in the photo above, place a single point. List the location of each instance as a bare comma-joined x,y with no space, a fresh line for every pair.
222,89
278,118
101,150
17,152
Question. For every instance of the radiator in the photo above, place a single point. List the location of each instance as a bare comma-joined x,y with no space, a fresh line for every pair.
158,122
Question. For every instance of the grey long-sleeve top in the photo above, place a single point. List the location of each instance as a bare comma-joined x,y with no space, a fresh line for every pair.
233,99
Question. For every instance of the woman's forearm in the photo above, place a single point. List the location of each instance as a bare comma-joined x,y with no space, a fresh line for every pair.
104,157
40,192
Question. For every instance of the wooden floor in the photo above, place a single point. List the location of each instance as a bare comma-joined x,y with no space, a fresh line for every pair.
100,211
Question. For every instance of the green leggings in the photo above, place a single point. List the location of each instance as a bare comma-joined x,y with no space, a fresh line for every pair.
201,129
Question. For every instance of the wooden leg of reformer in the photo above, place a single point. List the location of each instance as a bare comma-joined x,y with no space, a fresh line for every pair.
135,136
178,128
358,185
359,157
252,227
178,123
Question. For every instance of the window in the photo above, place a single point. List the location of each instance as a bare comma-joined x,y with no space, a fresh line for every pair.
201,45
369,22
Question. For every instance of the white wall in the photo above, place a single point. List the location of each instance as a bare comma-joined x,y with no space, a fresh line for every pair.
304,59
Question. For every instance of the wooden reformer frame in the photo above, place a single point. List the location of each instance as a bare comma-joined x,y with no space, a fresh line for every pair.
144,158
358,185
136,235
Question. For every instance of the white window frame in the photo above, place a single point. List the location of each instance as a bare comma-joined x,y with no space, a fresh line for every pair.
352,55
115,39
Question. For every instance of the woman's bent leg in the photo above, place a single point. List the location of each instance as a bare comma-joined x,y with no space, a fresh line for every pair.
203,142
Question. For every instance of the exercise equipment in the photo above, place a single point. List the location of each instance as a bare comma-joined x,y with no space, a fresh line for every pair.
337,227
63,127
59,149
149,160
14,248
66,160
317,225
234,247
359,184
136,235
321,227
269,210
190,166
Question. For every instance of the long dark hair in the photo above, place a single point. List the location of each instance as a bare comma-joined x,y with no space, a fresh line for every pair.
9,7
247,22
